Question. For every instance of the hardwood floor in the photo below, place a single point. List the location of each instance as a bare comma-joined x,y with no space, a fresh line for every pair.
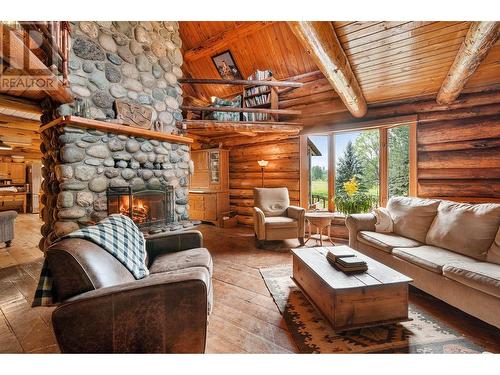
244,320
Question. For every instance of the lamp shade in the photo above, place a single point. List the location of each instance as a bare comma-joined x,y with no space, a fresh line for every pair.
263,163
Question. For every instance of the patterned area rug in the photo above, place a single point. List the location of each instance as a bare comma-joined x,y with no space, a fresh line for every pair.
313,334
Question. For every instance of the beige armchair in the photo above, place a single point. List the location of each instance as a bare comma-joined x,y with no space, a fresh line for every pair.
274,218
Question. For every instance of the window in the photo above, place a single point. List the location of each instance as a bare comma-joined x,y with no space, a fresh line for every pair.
382,162
398,161
317,147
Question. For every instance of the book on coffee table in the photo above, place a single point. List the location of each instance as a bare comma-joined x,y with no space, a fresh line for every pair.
337,252
351,267
350,262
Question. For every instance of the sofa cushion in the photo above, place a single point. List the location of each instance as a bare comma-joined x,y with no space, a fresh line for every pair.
430,257
493,255
467,229
272,201
481,276
385,241
199,257
412,217
280,222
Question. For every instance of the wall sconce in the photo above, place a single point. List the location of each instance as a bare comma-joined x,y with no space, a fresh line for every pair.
262,164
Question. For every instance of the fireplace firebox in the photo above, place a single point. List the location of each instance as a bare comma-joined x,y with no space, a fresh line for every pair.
147,207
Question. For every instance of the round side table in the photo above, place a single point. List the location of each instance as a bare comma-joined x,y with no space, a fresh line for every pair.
320,220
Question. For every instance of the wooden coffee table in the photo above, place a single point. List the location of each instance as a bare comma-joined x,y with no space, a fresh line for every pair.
375,297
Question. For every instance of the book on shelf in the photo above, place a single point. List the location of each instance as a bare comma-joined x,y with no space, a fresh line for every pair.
255,99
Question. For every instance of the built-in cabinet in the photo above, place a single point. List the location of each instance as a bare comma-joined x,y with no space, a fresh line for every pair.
13,171
209,185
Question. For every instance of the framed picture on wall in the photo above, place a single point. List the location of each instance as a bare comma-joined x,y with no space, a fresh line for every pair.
226,66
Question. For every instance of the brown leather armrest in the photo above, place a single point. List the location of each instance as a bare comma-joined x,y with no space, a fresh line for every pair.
162,313
171,242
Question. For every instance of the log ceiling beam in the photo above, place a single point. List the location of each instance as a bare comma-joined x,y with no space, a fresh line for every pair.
478,41
223,40
321,43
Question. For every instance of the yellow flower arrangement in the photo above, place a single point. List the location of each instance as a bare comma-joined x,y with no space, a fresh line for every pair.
351,187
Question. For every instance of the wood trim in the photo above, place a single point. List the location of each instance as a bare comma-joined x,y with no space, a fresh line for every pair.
413,159
383,167
331,172
239,82
360,125
478,42
85,123
304,172
241,126
224,39
321,43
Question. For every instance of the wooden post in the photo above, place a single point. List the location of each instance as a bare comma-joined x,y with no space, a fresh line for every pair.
413,159
304,172
383,170
331,171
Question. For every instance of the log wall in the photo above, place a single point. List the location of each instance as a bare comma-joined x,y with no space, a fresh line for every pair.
459,159
244,173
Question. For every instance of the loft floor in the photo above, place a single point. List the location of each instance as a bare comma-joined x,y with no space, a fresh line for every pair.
245,318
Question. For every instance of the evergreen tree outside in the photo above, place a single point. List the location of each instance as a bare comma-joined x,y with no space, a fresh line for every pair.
399,161
348,166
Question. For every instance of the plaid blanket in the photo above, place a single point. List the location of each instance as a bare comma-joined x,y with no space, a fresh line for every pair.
118,235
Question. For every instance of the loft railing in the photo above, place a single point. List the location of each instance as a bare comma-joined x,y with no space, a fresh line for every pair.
48,40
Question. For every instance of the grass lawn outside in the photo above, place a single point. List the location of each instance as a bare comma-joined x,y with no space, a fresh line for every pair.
319,187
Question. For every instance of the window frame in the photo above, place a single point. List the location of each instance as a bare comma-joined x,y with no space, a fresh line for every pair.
383,163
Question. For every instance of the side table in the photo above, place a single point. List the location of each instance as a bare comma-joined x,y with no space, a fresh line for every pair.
320,220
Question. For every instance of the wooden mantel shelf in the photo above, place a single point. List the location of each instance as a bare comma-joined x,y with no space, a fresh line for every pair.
111,127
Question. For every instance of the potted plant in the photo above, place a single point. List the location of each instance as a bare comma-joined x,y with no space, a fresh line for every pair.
351,200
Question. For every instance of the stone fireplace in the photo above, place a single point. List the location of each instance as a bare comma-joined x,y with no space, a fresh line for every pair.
148,207
83,166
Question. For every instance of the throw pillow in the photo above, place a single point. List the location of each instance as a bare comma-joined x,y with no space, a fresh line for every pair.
384,222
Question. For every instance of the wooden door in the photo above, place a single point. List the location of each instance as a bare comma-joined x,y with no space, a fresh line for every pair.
196,206
4,170
200,177
210,203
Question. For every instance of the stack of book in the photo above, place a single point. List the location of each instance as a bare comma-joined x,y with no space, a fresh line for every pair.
344,260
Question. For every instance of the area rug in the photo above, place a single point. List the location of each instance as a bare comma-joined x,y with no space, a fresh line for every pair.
313,334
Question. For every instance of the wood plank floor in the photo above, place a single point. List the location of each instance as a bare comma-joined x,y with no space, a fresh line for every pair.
245,318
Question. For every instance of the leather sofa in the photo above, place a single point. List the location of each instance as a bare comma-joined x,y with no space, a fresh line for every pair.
7,226
274,218
451,250
104,309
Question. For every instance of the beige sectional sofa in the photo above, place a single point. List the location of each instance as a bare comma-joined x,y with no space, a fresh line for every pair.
451,250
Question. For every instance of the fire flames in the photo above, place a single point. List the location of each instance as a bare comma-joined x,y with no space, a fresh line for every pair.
140,211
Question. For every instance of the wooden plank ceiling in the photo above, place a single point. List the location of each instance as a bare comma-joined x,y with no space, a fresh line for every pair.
392,61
